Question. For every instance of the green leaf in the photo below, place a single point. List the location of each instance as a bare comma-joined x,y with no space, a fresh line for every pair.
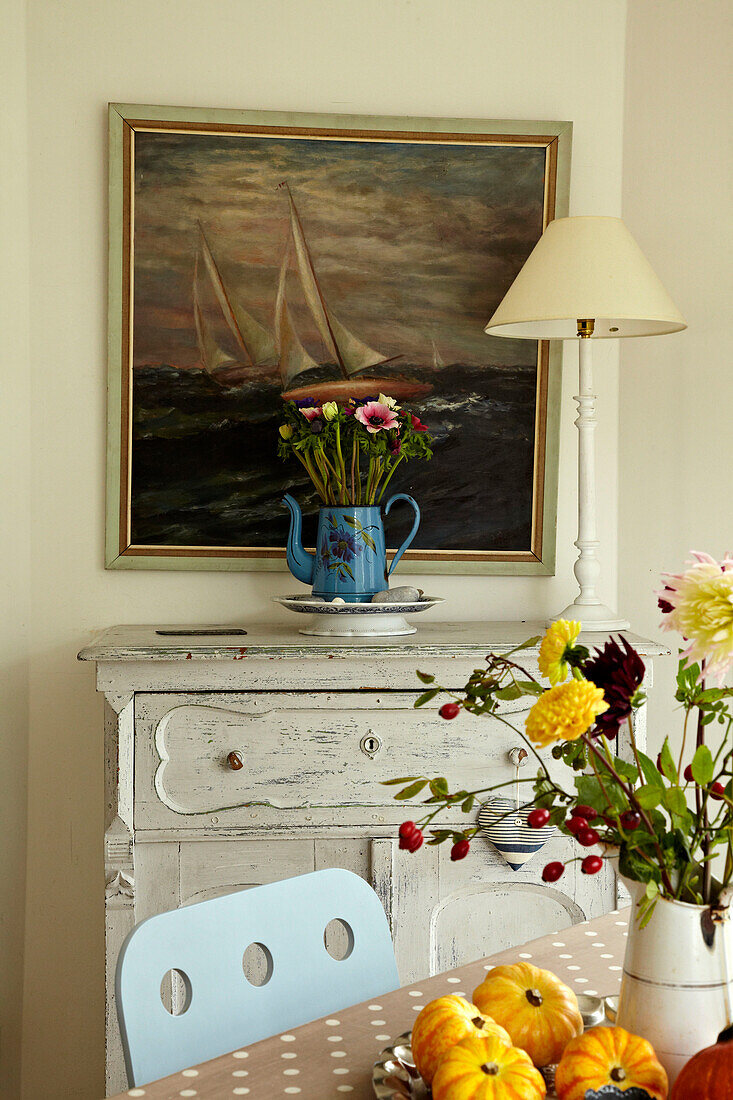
369,541
529,687
529,644
412,790
439,787
511,691
649,771
652,889
348,570
425,677
649,797
669,768
426,697
404,779
625,769
352,522
467,804
702,766
674,800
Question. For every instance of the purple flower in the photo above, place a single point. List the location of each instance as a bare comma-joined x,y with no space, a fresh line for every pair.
619,673
343,545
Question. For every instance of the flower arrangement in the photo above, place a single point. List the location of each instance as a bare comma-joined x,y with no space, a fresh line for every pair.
666,819
351,451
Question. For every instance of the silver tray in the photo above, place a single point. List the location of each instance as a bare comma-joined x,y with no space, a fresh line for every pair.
394,1076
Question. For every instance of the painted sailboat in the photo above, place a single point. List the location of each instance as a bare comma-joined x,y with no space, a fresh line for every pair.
346,351
254,343
258,349
437,357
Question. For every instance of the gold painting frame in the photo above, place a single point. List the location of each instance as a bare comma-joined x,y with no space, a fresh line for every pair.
125,122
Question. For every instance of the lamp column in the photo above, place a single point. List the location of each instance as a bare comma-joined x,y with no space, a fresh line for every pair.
587,608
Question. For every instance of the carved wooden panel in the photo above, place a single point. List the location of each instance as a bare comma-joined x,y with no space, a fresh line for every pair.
315,758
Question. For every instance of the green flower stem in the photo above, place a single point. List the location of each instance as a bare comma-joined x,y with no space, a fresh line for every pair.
342,466
354,449
607,761
313,476
389,477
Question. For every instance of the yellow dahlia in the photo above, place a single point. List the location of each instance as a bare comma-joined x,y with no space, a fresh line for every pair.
699,605
559,637
564,712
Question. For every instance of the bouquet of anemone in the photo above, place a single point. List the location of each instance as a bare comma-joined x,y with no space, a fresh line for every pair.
667,819
351,451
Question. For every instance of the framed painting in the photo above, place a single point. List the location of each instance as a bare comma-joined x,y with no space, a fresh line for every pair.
409,232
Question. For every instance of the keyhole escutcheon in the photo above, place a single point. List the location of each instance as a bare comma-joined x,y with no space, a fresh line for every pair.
370,744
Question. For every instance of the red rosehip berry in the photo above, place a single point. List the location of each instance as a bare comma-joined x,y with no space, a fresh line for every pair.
587,837
413,842
591,865
575,823
630,820
407,828
459,850
585,811
553,871
688,773
717,791
449,710
538,818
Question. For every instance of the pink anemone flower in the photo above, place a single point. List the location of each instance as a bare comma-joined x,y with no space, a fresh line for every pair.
312,412
376,417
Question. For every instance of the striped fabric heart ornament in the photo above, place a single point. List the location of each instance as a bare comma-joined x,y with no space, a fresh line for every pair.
509,832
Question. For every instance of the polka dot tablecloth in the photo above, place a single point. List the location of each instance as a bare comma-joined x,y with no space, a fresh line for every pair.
332,1058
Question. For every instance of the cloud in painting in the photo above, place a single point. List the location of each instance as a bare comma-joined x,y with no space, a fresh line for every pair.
412,241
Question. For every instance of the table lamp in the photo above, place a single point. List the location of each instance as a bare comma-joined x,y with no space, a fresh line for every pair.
586,279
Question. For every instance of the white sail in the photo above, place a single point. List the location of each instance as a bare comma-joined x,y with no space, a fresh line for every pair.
437,358
212,356
253,338
292,356
350,352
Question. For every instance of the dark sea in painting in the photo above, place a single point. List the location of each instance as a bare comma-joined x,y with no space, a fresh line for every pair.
205,471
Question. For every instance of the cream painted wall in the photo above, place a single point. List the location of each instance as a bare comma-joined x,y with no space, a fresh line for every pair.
481,58
676,392
14,535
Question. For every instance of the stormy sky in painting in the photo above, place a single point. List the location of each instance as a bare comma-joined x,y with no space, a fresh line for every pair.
411,242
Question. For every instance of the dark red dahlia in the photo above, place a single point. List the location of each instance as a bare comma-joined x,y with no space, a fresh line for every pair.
619,673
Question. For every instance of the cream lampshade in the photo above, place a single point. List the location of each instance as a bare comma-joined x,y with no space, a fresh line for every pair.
586,278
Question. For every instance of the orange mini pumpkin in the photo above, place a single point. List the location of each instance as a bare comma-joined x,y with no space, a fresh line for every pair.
487,1069
709,1074
441,1024
539,1012
609,1056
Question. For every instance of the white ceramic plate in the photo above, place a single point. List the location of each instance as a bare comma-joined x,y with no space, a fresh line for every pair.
308,605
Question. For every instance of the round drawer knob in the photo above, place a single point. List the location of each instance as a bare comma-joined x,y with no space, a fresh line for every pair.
234,760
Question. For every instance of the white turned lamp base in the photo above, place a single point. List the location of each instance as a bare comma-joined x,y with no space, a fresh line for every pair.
593,617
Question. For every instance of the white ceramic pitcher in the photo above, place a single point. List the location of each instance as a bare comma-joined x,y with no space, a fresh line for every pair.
677,983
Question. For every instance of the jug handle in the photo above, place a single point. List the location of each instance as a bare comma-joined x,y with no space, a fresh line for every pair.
413,532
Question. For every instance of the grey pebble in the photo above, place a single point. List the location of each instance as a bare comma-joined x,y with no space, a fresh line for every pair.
404,594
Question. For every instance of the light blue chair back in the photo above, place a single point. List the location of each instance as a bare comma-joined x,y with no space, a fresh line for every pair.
206,942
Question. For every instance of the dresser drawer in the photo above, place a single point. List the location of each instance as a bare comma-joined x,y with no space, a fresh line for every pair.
314,759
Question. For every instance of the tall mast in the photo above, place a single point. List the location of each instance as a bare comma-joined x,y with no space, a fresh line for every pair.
296,217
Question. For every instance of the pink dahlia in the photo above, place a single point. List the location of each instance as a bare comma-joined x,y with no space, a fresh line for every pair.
700,603
376,417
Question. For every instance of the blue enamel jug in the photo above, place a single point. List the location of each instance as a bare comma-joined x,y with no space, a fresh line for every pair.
350,559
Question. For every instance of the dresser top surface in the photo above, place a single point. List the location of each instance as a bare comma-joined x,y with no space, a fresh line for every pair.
235,641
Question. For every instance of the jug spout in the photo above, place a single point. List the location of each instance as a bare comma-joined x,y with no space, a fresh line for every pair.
300,563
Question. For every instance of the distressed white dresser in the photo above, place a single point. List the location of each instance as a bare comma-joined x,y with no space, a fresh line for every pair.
234,759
